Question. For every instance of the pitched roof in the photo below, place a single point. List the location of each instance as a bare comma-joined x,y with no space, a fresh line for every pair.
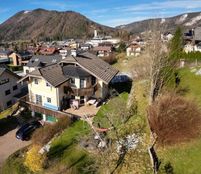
41,60
4,68
75,71
94,65
52,74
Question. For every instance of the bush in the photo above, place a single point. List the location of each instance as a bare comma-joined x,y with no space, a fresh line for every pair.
174,119
34,160
110,59
43,135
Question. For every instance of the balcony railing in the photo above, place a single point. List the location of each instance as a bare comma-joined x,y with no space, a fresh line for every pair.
84,91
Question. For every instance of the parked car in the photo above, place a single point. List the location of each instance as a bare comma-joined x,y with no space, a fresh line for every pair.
25,131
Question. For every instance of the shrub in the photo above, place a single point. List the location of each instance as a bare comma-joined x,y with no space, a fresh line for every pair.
110,59
43,135
174,119
34,160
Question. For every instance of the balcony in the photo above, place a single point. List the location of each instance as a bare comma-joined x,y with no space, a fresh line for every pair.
82,91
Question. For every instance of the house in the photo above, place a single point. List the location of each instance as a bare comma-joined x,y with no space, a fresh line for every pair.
133,49
197,47
4,56
197,35
71,82
85,47
103,51
48,50
9,87
39,61
20,58
189,47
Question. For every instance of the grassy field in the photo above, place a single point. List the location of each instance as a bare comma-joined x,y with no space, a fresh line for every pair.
185,157
67,150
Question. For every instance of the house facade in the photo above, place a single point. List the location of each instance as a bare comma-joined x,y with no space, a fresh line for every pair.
9,88
69,83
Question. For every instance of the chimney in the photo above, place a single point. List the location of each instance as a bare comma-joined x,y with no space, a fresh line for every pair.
74,53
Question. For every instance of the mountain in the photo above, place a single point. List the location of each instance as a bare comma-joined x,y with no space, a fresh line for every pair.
43,24
185,21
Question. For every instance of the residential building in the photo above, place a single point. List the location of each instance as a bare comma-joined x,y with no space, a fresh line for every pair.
75,79
4,56
20,58
103,51
9,87
133,49
39,61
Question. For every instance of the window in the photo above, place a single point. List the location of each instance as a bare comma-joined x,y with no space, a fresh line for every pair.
81,83
93,80
15,87
72,81
48,100
9,103
36,81
27,71
38,99
7,92
4,81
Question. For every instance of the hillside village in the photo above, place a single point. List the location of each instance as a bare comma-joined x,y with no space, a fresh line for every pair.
122,103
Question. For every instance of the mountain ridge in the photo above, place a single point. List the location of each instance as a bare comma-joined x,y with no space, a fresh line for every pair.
185,21
43,24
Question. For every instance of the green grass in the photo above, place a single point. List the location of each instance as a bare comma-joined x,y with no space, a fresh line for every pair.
185,158
8,111
191,83
112,107
66,148
14,164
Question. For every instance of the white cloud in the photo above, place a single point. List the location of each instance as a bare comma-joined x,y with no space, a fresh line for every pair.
176,4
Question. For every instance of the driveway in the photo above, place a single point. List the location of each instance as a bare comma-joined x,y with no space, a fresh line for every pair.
9,144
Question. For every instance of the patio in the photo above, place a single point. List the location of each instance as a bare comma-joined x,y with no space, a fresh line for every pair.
89,110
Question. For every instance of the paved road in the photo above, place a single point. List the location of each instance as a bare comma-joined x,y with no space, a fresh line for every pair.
9,144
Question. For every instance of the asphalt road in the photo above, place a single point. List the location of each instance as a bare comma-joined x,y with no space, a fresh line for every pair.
9,144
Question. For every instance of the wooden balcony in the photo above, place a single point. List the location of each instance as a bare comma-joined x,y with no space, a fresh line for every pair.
83,91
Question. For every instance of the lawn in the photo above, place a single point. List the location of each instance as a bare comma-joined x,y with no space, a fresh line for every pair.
191,83
8,111
185,157
66,148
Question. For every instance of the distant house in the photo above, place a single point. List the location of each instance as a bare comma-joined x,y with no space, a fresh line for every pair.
197,47
103,51
20,58
48,51
9,87
4,56
189,47
167,36
85,47
75,79
39,61
133,49
197,35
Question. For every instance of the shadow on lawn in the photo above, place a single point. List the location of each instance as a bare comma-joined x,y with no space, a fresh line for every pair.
8,124
57,151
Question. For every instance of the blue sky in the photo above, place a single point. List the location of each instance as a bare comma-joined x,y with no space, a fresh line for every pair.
107,12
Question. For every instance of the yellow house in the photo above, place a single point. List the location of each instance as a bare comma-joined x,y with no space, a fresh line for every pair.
76,78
